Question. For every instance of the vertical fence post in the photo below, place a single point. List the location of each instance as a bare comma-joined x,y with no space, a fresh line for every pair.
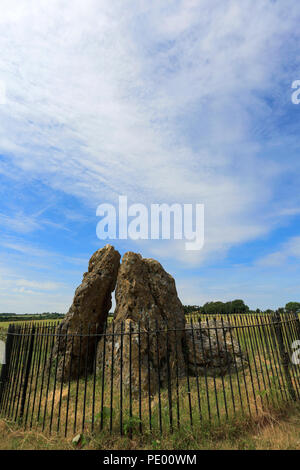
284,355
5,367
27,371
297,319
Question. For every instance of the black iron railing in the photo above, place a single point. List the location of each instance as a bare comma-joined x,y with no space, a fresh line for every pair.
136,377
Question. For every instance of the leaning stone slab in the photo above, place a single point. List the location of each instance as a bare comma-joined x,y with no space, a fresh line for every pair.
91,305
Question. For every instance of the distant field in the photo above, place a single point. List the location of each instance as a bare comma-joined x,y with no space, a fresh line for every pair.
5,324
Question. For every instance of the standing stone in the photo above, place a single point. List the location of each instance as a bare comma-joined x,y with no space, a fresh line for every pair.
91,305
213,349
146,298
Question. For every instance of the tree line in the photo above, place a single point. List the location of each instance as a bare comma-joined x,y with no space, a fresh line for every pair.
4,317
235,306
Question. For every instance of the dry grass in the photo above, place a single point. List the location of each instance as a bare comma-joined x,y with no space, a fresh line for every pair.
213,398
284,434
269,431
274,423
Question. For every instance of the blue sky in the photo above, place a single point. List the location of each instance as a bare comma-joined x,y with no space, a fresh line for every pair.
175,101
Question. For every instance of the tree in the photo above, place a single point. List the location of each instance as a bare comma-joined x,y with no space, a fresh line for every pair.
214,308
191,308
292,307
238,306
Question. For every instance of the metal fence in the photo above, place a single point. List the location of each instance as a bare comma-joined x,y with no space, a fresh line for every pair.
129,377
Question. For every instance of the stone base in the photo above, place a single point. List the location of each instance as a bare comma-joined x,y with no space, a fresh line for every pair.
212,349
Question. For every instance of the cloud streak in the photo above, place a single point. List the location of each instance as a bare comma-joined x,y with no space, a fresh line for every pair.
161,101
288,251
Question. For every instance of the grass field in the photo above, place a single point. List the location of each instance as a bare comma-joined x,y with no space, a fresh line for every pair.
278,431
210,401
221,407
5,324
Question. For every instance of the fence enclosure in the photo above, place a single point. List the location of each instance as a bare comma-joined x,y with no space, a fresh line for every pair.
128,388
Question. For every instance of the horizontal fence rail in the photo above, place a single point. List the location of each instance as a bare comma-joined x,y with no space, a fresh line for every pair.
136,377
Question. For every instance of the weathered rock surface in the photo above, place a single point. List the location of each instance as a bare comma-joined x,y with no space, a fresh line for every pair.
137,345
146,301
91,305
213,349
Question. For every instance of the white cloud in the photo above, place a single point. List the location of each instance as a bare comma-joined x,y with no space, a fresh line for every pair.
259,286
30,296
29,301
34,279
97,96
289,250
19,223
32,251
36,284
160,101
291,211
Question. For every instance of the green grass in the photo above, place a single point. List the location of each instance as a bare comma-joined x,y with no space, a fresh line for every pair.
279,430
5,324
219,402
255,395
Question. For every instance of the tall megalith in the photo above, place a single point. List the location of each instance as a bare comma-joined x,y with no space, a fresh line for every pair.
146,304
88,313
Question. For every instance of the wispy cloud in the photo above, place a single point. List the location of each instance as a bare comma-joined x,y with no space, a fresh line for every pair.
291,211
19,223
288,251
106,100
36,284
31,250
178,101
22,285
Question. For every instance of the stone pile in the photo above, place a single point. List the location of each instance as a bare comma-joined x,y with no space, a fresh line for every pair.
213,349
